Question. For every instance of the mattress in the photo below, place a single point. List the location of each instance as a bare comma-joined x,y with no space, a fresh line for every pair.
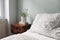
27,36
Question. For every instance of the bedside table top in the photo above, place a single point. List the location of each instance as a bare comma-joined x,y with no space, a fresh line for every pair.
18,25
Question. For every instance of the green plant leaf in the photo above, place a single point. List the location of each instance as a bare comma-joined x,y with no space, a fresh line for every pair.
24,14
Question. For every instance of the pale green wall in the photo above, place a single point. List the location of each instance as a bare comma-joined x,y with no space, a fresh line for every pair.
41,6
20,3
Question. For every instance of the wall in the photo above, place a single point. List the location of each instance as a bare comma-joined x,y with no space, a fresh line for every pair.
10,13
13,10
20,4
41,6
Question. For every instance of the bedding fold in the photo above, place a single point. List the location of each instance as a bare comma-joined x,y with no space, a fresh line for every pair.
27,36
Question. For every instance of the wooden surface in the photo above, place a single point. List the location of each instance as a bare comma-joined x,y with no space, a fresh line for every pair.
19,28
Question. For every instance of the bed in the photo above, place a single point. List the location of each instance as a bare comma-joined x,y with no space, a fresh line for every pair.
45,27
28,36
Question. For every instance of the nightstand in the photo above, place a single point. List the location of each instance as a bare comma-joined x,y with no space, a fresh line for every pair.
19,28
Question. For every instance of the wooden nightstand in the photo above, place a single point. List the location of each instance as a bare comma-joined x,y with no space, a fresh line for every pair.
19,28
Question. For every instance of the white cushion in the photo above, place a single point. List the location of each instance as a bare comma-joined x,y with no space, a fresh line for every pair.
45,23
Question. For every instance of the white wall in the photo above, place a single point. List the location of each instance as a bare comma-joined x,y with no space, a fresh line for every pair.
41,6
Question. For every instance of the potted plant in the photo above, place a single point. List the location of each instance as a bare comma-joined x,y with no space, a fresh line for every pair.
23,17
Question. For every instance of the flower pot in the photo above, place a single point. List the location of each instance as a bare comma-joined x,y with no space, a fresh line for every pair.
23,19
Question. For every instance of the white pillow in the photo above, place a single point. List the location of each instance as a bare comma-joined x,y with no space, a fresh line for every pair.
45,23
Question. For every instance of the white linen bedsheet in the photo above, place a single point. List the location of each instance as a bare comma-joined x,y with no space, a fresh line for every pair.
27,36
